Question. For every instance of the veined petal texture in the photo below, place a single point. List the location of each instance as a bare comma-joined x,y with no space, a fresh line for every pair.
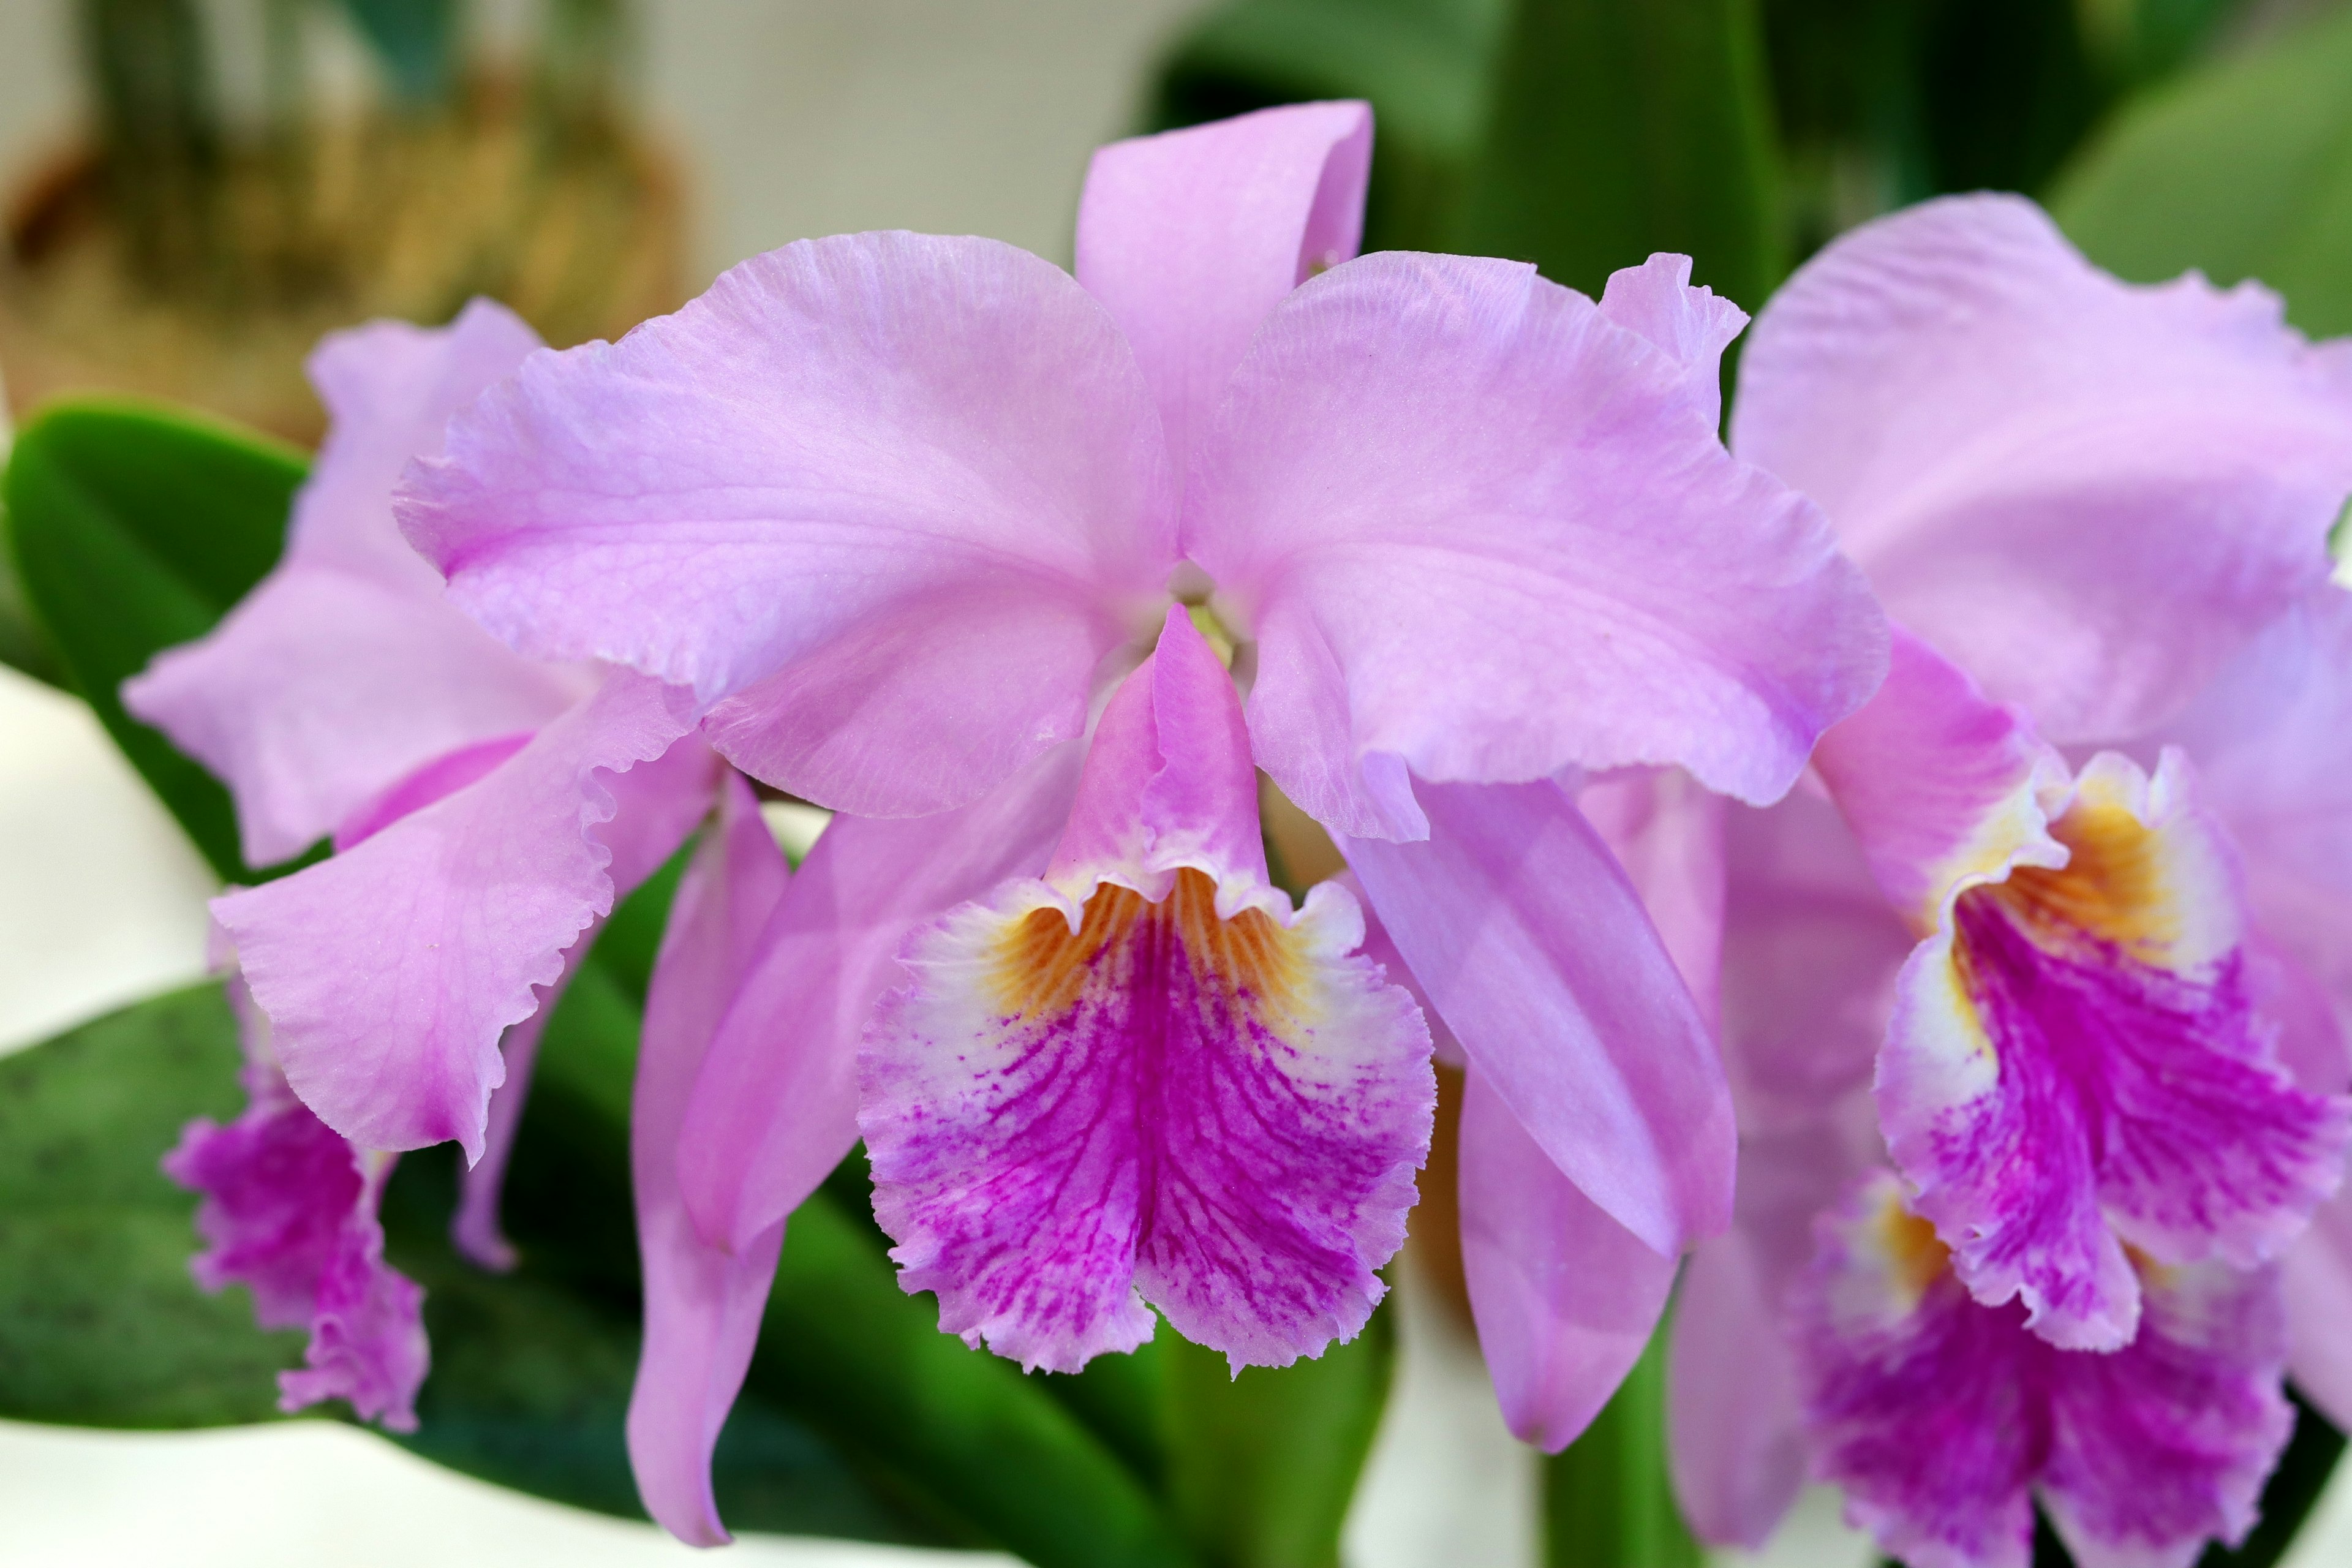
1146,1079
1191,237
345,670
2087,493
390,971
1482,531
886,499
1944,1418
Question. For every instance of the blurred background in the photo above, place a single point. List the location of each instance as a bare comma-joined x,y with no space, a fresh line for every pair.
193,190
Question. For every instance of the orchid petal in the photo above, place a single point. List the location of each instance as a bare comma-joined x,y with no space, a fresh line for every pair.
344,669
1735,1427
1942,1417
1668,834
1191,237
1482,532
390,972
775,1107
1525,932
852,456
1692,325
2318,1274
703,1303
2087,493
474,1229
1564,1297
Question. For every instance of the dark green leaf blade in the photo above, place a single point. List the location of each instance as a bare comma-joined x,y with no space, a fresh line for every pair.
101,1323
1618,131
1262,1467
136,528
2242,169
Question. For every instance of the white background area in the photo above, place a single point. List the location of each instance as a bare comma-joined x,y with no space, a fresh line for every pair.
805,117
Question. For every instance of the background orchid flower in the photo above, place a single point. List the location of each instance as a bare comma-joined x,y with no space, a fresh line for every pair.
903,510
289,1212
458,782
2104,1023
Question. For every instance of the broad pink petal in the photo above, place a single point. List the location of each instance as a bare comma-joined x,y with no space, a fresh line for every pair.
1666,831
1941,1416
2087,493
775,1107
345,670
1191,237
1482,532
703,1303
1145,1078
1564,1297
2318,1275
390,972
2273,744
1735,1427
853,455
1523,932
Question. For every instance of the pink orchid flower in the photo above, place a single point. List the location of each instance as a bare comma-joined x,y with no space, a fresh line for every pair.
1028,576
482,821
2031,997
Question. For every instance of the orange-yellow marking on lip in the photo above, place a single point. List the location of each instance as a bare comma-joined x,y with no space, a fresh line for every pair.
2112,886
1914,1254
1042,966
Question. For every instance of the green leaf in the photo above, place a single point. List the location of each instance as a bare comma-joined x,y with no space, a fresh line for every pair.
1607,1500
101,1323
2242,169
416,40
135,528
1262,1467
1622,129
1423,65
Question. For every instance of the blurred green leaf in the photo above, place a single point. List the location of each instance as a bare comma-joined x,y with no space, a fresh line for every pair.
2241,169
99,1322
136,527
1608,1502
1423,66
1620,130
416,40
1262,1467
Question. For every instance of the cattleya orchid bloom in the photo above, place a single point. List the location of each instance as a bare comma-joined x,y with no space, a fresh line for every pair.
467,790
953,543
2050,931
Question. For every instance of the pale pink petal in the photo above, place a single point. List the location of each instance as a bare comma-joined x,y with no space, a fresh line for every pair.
1666,831
1523,932
390,972
1694,325
851,455
775,1107
1191,237
345,670
1145,1081
1735,1428
1482,532
473,1229
703,1303
2318,1274
2087,493
1564,1297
